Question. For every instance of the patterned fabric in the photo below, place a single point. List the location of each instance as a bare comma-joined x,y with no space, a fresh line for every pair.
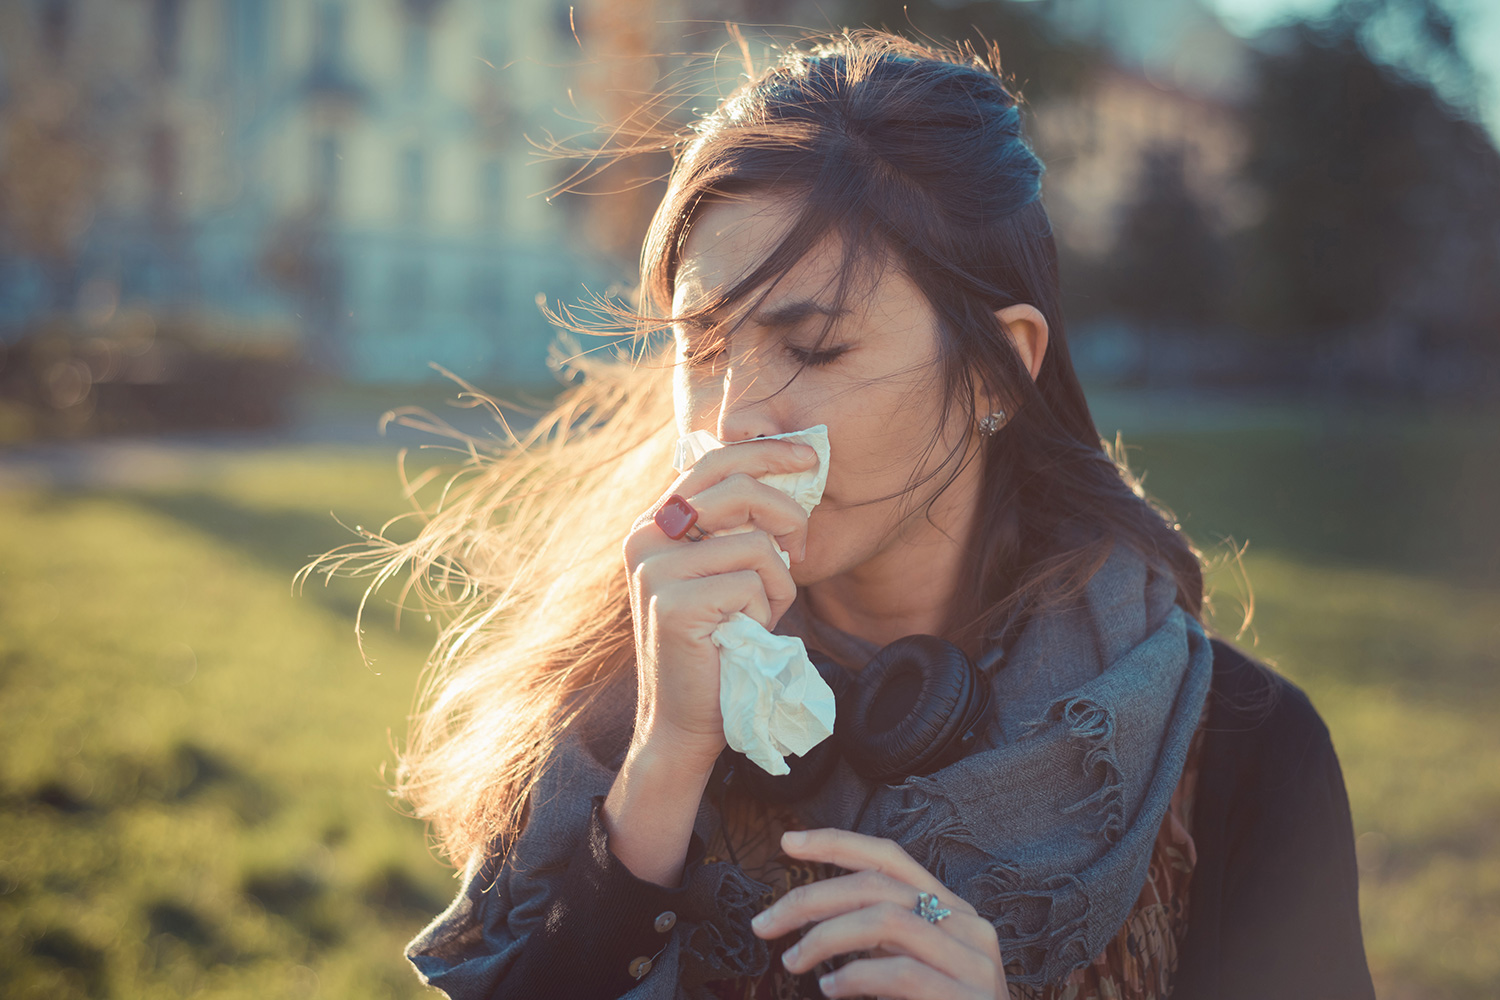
751,836
1138,963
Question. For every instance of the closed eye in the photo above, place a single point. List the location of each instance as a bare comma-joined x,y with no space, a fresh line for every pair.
707,347
816,358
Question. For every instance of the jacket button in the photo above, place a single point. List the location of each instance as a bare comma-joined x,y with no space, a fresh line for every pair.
639,966
666,921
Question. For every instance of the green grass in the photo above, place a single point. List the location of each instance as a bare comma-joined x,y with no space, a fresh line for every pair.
1373,559
1403,671
190,756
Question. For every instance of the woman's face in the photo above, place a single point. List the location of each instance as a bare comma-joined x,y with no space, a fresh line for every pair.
875,380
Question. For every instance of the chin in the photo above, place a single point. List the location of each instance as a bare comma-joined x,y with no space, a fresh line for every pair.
819,565
809,570
820,562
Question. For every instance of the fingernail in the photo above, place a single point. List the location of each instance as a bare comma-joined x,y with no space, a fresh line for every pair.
790,955
761,919
794,838
826,983
805,453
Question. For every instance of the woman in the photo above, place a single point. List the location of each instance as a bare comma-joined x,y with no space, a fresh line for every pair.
854,238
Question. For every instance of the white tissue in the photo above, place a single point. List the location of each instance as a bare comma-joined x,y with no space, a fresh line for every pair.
773,699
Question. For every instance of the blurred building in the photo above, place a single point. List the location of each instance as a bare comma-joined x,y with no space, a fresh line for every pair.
1096,144
1174,78
356,174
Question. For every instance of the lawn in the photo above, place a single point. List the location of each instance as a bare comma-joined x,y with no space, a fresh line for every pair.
191,756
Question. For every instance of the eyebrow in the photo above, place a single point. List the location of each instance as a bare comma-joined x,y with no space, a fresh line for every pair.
793,313
784,316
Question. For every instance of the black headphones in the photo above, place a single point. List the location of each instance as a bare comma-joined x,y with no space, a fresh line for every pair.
919,705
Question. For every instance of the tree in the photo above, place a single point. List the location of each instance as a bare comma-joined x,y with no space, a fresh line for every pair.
1168,265
1382,199
1040,59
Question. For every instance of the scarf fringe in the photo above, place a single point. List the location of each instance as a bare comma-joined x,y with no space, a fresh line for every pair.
723,944
928,827
1092,726
1043,931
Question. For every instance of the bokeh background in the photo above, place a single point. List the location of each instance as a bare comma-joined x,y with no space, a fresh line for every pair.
234,233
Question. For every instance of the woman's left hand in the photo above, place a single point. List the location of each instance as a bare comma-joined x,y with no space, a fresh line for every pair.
873,909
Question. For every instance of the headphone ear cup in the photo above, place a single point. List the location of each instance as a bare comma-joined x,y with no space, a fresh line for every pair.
919,706
808,772
836,677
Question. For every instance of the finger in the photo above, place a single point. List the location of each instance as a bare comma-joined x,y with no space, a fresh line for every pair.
750,550
827,898
720,597
896,929
751,459
900,978
754,458
740,500
860,852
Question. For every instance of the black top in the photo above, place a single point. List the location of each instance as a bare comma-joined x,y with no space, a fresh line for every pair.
1274,900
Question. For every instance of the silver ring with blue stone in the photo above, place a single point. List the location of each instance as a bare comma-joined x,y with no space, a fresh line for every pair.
928,909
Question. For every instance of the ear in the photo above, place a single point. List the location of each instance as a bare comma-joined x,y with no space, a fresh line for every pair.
1027,328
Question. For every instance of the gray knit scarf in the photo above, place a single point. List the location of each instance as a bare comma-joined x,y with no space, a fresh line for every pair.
1046,828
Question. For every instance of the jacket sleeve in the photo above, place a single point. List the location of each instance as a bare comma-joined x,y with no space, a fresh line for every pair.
1282,914
557,914
621,923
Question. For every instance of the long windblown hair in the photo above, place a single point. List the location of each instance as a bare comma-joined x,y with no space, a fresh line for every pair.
910,154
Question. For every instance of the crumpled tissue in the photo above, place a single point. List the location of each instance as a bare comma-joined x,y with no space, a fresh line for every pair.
773,699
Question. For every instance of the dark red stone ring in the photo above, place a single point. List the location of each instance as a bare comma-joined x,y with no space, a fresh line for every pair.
676,518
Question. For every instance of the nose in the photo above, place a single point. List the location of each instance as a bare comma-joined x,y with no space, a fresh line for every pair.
746,409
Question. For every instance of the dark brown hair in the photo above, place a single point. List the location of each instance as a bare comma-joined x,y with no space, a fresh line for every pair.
916,155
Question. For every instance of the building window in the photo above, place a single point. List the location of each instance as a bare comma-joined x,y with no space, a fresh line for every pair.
491,194
566,20
248,38
413,193
492,52
408,294
162,164
166,31
55,22
328,40
486,297
327,159
416,50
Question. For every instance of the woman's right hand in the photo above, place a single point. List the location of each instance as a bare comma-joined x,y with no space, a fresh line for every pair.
680,591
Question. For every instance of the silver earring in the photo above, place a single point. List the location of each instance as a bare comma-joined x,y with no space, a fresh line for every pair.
992,423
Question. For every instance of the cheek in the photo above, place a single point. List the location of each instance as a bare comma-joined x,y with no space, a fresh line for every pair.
877,441
693,404
681,402
837,540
